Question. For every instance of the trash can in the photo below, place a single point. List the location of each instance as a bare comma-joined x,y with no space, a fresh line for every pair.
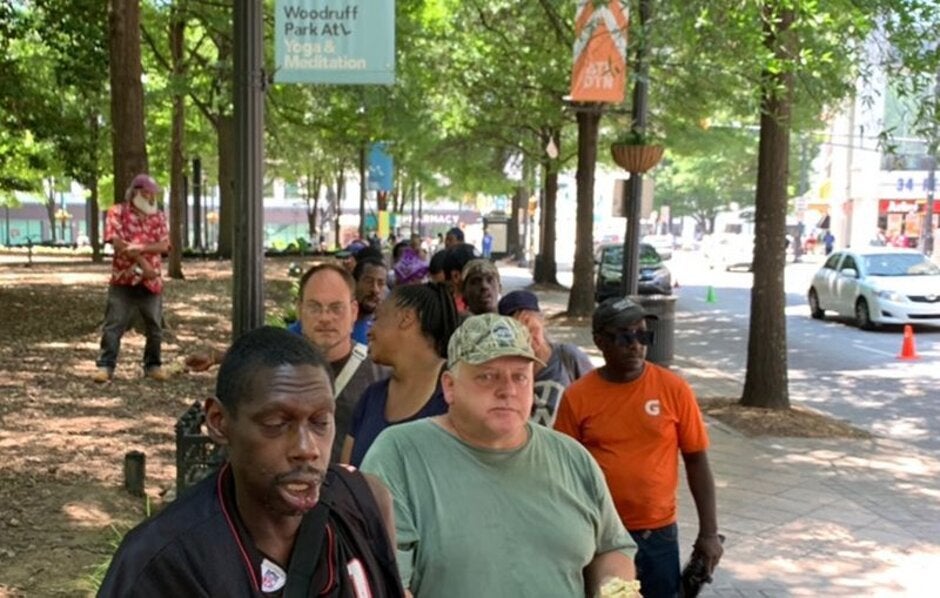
663,307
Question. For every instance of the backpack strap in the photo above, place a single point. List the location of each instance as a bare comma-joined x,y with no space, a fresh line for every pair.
361,493
358,355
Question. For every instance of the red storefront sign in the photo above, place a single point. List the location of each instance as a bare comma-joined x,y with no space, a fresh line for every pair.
904,206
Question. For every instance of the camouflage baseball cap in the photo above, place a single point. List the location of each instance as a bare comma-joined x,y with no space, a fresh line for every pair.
489,336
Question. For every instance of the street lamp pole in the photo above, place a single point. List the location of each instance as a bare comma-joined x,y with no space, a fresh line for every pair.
630,279
250,83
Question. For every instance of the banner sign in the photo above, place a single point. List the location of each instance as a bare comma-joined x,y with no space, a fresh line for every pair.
334,41
380,169
600,51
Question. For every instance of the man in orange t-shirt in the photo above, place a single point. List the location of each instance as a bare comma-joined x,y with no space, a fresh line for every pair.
635,418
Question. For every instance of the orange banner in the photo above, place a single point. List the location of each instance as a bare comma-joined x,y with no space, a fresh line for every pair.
600,48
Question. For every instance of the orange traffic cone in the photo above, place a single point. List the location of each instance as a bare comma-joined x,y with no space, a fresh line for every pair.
908,347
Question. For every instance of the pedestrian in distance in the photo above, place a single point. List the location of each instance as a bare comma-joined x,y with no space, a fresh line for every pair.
564,362
487,244
137,230
276,519
635,418
829,241
487,503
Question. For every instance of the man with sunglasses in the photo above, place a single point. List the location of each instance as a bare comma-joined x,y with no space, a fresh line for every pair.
635,417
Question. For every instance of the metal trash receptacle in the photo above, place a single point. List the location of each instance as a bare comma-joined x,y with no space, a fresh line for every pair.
662,350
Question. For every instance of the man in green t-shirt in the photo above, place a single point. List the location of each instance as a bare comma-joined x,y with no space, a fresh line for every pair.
488,504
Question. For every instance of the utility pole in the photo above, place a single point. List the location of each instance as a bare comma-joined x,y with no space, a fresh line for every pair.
630,279
926,232
248,262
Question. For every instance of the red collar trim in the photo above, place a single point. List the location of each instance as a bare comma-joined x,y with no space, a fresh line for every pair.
255,582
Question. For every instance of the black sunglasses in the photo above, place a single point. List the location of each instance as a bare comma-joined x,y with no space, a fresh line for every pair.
628,337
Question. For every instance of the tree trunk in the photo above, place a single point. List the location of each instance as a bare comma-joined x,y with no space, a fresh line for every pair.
766,383
313,206
94,235
225,130
548,266
50,211
177,164
581,298
128,137
340,192
513,242
91,183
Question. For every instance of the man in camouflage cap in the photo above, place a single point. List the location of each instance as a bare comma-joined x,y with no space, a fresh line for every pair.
486,503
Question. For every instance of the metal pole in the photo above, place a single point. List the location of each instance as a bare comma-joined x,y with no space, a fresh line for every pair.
7,209
248,263
197,203
927,230
363,189
633,199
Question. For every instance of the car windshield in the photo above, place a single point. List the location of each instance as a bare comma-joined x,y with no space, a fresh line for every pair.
614,255
899,264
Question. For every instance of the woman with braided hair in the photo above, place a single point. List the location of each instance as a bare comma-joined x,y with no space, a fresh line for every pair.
410,334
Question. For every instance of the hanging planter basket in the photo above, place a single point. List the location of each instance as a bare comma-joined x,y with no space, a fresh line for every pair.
636,158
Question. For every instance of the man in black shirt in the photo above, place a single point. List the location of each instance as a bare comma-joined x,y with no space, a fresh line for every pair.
275,520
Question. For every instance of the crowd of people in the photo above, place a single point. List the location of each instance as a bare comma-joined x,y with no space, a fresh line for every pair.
417,433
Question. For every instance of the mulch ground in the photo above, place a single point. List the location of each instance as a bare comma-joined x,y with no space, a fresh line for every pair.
795,422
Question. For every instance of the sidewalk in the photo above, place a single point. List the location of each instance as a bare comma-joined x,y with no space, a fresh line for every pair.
807,517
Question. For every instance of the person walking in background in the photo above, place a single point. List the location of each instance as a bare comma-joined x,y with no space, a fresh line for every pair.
564,362
137,230
487,244
829,241
488,504
410,334
635,418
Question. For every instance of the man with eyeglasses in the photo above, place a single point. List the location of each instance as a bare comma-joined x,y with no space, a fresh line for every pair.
327,310
635,417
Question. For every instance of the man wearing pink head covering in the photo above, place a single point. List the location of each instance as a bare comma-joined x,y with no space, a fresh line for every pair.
137,230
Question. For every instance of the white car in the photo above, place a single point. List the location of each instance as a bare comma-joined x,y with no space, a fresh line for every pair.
878,285
726,251
663,244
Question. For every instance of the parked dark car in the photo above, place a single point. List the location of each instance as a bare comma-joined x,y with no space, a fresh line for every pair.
655,278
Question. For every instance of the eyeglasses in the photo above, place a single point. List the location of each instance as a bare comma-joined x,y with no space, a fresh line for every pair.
628,337
334,309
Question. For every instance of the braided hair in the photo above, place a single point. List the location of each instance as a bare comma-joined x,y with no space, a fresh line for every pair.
434,306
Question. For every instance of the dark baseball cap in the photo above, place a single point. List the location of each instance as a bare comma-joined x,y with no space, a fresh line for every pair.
618,311
518,301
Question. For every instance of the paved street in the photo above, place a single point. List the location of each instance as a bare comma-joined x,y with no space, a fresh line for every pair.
808,517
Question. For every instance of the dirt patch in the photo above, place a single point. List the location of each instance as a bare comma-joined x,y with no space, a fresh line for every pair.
63,438
795,422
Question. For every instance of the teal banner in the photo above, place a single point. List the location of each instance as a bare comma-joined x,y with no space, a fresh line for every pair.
334,41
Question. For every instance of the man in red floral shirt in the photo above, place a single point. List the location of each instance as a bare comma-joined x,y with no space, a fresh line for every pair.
137,230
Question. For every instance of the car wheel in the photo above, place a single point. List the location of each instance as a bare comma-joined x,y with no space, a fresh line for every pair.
862,316
814,310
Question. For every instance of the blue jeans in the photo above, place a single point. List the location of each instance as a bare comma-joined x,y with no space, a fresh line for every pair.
123,301
657,561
